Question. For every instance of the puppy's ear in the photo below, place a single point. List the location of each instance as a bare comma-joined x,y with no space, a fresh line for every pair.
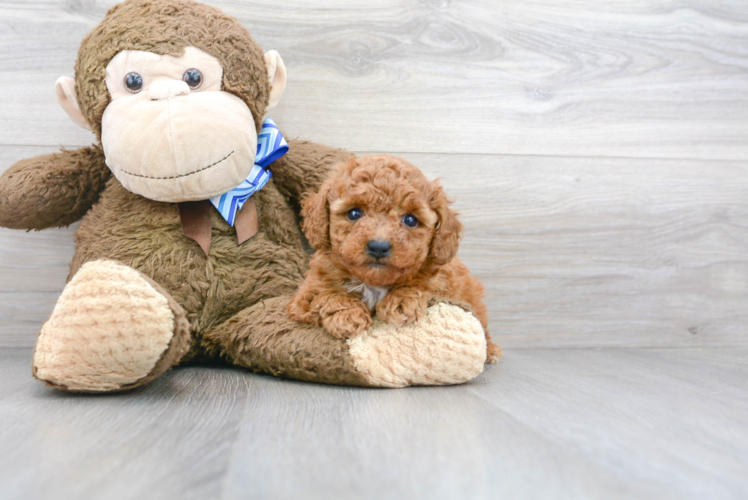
448,230
316,214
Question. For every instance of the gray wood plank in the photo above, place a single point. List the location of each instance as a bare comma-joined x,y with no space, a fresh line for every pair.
171,440
435,443
635,424
672,422
543,424
22,316
573,251
644,79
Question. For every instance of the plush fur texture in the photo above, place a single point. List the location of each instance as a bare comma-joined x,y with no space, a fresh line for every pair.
227,306
421,262
52,190
167,27
386,356
110,311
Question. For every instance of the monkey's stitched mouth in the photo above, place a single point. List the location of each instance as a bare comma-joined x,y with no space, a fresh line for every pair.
178,176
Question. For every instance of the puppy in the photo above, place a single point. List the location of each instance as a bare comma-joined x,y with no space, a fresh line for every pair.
386,241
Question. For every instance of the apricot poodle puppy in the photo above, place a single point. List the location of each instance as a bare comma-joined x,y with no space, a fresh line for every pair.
386,241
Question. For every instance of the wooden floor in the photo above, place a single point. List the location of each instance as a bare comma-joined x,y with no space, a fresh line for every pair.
598,152
545,423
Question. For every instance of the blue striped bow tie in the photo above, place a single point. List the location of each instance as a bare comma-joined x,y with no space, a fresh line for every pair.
270,146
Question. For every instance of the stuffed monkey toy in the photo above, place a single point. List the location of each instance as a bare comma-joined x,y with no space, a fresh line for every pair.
174,262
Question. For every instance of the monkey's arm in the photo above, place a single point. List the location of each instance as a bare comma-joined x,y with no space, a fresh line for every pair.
52,190
305,167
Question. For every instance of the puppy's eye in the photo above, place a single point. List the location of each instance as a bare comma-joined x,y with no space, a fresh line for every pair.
133,82
410,220
193,78
354,214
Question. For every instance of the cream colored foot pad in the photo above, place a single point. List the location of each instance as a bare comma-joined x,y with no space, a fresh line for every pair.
447,346
108,329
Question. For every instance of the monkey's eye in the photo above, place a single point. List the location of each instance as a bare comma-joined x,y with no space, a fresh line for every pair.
133,82
193,78
410,220
354,213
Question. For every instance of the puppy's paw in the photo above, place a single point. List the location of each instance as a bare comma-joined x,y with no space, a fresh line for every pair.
348,323
400,309
493,353
299,309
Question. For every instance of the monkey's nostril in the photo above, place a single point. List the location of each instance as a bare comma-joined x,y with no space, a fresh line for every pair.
379,248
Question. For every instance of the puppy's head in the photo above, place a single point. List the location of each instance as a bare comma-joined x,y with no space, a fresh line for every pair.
382,220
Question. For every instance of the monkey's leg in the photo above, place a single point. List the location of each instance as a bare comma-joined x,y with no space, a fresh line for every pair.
446,346
112,329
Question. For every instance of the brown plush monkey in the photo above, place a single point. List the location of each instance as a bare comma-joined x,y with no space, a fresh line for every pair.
176,93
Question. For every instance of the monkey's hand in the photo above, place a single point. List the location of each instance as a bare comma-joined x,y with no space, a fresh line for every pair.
305,167
52,190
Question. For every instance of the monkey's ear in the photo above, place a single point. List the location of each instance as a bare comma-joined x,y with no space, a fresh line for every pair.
277,76
67,97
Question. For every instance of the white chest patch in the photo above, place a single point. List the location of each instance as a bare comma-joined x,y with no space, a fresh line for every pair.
370,294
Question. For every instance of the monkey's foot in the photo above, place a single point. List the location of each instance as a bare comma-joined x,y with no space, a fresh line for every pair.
446,346
112,329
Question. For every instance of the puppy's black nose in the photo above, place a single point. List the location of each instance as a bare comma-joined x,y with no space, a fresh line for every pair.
379,248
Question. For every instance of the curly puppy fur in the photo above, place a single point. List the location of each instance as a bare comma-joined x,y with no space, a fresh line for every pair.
366,200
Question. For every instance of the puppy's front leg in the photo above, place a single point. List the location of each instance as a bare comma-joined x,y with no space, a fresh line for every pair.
403,305
342,315
339,313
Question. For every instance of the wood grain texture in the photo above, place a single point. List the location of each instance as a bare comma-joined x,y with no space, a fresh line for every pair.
667,424
543,424
173,440
642,79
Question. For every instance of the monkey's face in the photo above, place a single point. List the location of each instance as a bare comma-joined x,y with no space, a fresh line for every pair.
170,133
